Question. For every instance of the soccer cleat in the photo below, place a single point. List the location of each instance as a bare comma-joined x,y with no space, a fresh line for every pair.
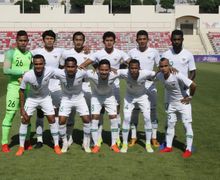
57,149
5,148
100,141
166,149
187,154
163,145
65,147
95,149
86,148
132,142
70,141
124,148
27,145
38,145
118,142
115,148
149,148
155,143
20,151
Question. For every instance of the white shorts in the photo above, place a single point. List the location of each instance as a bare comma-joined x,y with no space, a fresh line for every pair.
79,104
56,98
44,104
142,102
109,102
179,110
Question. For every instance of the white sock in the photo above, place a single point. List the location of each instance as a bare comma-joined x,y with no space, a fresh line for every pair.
94,131
133,131
114,130
134,122
86,133
39,129
62,133
22,133
154,133
170,133
100,126
189,136
147,128
125,131
54,132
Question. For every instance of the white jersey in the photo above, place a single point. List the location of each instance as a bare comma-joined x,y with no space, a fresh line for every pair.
136,87
175,86
53,60
99,86
38,85
71,86
183,62
148,59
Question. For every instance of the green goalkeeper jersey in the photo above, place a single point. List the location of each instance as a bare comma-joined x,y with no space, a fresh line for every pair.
16,64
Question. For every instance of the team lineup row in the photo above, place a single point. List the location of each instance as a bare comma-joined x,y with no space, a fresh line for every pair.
141,60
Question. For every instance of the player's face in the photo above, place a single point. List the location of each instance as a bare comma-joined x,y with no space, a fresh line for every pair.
22,42
109,42
164,66
38,66
134,70
49,42
177,42
78,42
104,71
71,68
142,41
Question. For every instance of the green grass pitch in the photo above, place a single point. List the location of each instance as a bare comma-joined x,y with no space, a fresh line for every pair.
137,163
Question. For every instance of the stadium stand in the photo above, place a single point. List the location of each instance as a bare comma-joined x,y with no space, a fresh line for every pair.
124,41
214,38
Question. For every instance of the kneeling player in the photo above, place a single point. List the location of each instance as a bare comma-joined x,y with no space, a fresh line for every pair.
38,79
178,104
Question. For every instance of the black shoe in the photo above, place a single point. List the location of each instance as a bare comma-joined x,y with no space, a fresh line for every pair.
38,145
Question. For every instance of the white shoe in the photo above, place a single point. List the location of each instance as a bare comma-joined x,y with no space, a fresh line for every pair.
124,148
70,141
149,148
86,148
65,147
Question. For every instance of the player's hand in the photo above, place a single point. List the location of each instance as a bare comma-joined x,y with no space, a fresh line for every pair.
24,115
19,80
81,67
173,70
86,49
186,100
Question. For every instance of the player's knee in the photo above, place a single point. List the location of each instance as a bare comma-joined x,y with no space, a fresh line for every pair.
86,119
113,116
96,116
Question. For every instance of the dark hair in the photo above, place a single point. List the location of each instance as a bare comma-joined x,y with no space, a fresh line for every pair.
49,33
164,59
142,32
104,61
38,56
108,34
79,33
21,33
176,32
134,61
70,59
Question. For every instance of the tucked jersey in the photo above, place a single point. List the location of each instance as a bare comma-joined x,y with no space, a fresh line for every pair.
38,85
148,59
71,86
174,86
183,62
136,87
99,86
19,64
53,60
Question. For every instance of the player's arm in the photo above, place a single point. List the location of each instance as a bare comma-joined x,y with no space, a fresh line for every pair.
85,64
192,74
7,65
23,113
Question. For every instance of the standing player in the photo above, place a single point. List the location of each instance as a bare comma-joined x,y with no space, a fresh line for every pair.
148,58
17,61
81,56
102,83
178,104
52,57
136,94
115,57
71,80
39,96
180,58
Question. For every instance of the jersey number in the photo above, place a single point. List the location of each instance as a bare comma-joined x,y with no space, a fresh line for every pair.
19,63
11,103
